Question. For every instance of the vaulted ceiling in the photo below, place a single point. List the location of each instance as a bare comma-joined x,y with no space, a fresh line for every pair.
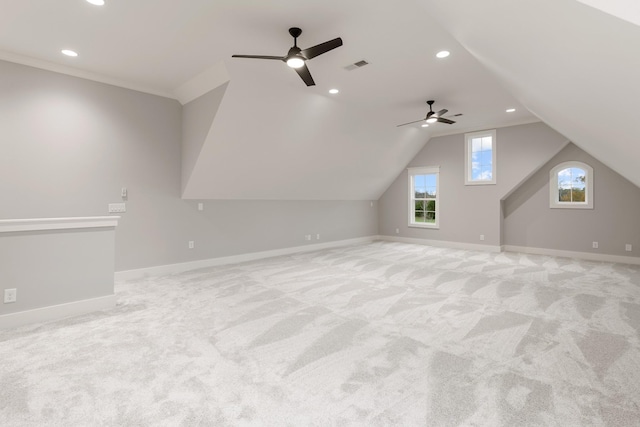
574,64
269,136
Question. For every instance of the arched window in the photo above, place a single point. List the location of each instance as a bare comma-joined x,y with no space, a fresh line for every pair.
571,186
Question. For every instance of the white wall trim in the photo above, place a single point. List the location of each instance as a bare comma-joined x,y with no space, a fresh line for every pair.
162,270
40,224
75,72
204,82
57,312
572,254
442,243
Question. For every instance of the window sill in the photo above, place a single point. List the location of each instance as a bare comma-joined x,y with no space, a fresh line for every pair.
571,206
434,226
480,183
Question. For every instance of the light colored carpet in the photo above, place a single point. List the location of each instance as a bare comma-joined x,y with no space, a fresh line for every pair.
376,334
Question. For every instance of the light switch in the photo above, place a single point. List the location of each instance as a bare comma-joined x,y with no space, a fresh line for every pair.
117,207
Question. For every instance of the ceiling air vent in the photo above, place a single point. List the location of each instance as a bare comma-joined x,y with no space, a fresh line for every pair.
355,65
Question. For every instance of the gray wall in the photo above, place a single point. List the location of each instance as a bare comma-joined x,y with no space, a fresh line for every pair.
56,266
466,212
69,145
614,221
197,118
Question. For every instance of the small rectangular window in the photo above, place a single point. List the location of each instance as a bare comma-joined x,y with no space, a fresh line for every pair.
480,157
423,197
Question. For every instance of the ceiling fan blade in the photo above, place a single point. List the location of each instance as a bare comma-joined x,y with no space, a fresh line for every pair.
321,48
404,124
305,75
442,112
447,121
280,58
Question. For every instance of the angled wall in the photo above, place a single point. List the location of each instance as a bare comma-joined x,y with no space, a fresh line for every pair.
197,120
613,222
69,145
568,63
466,212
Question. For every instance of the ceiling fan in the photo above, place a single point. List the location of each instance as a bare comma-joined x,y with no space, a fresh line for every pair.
432,116
296,58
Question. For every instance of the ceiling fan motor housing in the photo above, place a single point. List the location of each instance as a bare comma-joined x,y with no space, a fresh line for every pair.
295,32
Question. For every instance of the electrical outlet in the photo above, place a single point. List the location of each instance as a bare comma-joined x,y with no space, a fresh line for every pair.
594,245
397,231
628,247
307,237
201,206
482,237
117,207
10,295
318,236
191,244
124,193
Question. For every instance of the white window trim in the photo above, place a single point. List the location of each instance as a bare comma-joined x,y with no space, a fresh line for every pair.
467,156
553,187
423,171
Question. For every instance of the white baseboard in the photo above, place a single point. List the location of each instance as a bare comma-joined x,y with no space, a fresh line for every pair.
57,312
162,270
442,243
571,254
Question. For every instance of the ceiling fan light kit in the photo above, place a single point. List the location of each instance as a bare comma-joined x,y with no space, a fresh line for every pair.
295,62
296,58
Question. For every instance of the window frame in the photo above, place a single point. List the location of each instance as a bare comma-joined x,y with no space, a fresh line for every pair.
554,203
426,170
468,137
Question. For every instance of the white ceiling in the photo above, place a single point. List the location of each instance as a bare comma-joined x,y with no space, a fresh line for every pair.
299,142
629,10
573,66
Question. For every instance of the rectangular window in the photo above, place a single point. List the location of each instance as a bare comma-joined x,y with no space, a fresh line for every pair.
423,197
480,157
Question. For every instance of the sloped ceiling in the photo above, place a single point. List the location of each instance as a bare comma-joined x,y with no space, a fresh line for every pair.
271,136
629,10
572,65
569,63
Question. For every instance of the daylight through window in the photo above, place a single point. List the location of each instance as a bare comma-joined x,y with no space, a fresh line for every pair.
571,186
423,197
480,153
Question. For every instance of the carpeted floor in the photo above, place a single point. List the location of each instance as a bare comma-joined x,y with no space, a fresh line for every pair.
376,334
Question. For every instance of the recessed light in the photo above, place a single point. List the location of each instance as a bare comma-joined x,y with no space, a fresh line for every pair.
333,91
96,2
511,110
443,54
425,125
68,52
